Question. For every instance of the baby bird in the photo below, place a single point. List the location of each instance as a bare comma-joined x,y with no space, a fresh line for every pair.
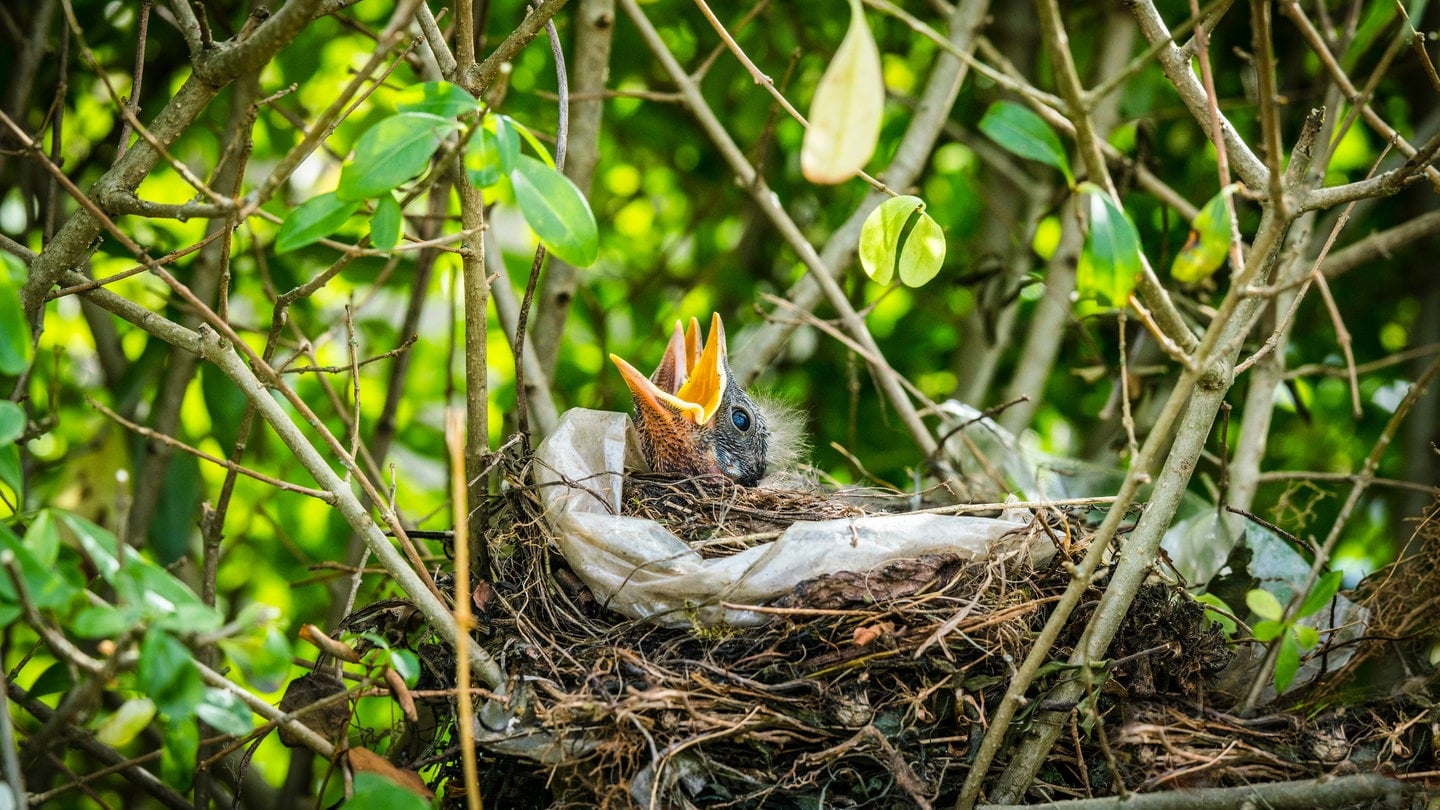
691,416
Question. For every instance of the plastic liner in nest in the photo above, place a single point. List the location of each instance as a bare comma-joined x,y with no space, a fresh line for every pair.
641,569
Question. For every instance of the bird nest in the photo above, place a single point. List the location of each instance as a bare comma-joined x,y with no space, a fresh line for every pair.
864,689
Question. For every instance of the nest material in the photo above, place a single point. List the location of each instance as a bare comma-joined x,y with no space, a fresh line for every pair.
868,689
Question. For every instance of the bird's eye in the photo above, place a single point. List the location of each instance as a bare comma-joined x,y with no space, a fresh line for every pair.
740,418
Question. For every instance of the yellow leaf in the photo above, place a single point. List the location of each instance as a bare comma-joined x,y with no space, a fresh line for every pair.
846,110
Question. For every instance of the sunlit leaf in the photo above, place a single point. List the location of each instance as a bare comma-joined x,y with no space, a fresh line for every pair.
99,621
899,236
1325,589
392,152
482,158
126,722
1110,261
1306,635
167,673
1287,663
1016,129
1267,630
531,139
1264,604
12,422
226,713
556,210
507,143
315,219
437,98
1209,241
847,109
385,223
15,346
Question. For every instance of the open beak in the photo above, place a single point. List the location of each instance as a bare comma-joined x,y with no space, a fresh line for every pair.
691,378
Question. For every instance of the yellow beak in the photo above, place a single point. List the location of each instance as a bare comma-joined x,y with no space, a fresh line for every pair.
691,378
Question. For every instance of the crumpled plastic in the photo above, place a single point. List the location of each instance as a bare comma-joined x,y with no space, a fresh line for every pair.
640,569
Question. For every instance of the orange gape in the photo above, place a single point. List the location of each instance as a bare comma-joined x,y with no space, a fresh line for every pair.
691,416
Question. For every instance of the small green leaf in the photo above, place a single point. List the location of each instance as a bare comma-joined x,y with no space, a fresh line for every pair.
42,537
375,792
55,680
98,543
1209,241
406,664
1267,630
1110,261
507,143
392,152
1018,130
99,621
923,253
12,422
52,584
167,673
530,138
437,98
557,211
1264,604
482,158
16,348
899,236
11,474
1287,662
1306,635
263,659
385,223
1325,590
1214,606
315,219
126,722
177,755
226,713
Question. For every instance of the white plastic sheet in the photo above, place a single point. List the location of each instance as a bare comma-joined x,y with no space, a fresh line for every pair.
640,569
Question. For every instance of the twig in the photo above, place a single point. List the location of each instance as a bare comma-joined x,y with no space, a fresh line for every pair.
465,721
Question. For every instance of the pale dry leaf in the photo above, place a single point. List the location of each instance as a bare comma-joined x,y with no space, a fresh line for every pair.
846,111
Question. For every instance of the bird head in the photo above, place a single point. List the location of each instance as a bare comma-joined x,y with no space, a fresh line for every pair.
691,416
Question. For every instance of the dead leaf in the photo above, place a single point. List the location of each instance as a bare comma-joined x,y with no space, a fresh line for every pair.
846,111
363,760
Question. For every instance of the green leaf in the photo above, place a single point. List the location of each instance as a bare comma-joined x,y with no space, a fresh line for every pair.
1214,606
923,253
482,158
1110,261
1325,590
226,713
1264,604
225,403
392,152
886,246
1267,630
315,219
406,664
385,223
126,722
177,757
437,98
42,537
1287,662
847,109
55,680
12,422
50,584
264,660
1209,241
99,621
375,792
12,474
507,143
557,211
1018,130
535,143
16,348
167,673
1306,635
98,543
